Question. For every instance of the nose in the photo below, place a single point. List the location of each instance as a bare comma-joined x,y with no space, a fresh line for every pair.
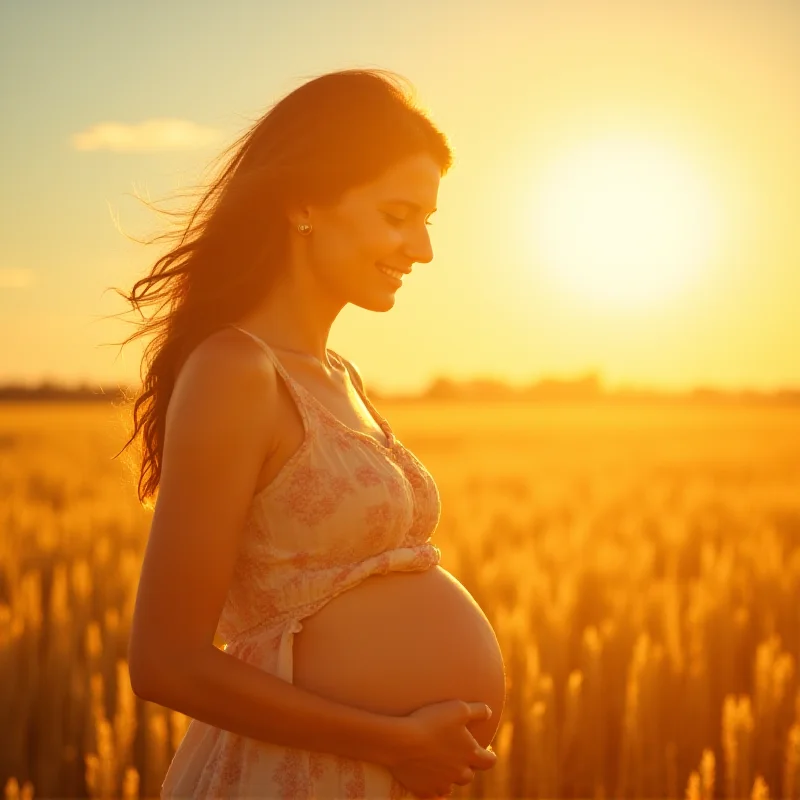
419,248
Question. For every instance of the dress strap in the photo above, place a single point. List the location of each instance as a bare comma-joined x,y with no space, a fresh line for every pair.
354,377
377,416
296,389
266,348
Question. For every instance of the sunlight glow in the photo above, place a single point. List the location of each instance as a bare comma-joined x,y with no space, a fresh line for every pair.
625,223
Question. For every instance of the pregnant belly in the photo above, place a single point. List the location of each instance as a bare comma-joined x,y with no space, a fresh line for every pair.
400,641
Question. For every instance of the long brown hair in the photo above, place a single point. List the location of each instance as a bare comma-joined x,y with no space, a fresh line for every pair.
335,132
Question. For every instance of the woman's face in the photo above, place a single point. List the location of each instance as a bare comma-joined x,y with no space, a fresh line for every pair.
384,222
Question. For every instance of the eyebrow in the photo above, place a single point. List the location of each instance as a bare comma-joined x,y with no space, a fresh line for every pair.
415,206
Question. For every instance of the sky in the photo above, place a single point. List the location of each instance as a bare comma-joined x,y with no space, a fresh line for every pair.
624,197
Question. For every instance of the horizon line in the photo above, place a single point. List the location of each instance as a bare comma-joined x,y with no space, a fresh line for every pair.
586,384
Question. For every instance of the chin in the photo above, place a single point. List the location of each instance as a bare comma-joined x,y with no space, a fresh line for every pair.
383,302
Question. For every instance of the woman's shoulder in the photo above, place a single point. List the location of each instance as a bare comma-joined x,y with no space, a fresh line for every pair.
227,352
226,373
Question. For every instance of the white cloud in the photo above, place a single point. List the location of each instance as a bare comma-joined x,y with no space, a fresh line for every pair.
148,136
15,278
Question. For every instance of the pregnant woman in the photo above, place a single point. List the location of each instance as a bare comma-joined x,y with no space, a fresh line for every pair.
290,521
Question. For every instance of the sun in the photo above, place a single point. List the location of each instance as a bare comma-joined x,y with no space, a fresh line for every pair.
624,223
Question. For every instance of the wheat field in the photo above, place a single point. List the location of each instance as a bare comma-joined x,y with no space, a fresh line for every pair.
640,565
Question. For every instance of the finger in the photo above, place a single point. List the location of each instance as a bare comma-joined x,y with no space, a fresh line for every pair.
466,777
479,711
483,759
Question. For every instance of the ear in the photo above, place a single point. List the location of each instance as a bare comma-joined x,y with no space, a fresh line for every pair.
296,213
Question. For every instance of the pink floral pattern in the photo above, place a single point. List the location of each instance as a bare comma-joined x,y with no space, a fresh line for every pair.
344,507
367,475
289,777
315,494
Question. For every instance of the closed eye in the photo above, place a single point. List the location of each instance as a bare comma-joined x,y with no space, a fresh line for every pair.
398,221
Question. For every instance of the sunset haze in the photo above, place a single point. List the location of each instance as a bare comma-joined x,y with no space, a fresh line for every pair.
624,197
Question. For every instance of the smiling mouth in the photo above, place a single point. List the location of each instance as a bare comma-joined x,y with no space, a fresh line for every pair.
395,276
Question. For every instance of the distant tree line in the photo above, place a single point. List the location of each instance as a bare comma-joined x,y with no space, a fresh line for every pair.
585,388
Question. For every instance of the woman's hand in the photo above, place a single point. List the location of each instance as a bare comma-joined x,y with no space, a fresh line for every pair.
439,750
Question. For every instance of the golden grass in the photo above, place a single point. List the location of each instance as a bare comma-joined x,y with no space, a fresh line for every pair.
641,567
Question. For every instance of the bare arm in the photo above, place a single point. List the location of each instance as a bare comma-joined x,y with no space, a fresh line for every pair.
220,427
227,693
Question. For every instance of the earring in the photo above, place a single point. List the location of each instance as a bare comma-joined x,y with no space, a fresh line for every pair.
304,228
